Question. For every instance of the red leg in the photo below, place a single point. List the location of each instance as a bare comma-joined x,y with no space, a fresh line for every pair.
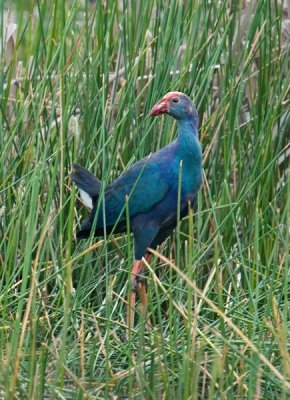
131,302
148,257
138,269
141,289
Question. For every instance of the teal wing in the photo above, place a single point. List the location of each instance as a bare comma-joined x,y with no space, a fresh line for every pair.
143,184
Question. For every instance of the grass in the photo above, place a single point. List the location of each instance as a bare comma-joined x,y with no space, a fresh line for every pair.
77,85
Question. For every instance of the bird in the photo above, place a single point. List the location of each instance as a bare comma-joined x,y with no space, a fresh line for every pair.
151,188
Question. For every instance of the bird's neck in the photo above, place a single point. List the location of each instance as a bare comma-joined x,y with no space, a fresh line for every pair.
189,152
188,133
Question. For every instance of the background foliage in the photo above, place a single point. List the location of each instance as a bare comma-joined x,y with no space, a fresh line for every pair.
77,82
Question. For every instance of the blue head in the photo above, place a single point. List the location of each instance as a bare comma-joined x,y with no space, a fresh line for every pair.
176,104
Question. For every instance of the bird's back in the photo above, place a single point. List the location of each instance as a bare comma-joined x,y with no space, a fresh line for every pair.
144,185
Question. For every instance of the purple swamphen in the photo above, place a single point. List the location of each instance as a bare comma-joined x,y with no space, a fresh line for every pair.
151,188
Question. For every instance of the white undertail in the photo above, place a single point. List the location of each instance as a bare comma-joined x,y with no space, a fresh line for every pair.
86,198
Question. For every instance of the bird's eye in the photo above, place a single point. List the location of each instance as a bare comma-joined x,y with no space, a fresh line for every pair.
175,100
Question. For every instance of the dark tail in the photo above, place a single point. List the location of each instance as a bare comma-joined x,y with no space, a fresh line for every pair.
89,187
85,181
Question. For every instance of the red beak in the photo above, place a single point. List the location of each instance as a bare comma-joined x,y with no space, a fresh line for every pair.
160,108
